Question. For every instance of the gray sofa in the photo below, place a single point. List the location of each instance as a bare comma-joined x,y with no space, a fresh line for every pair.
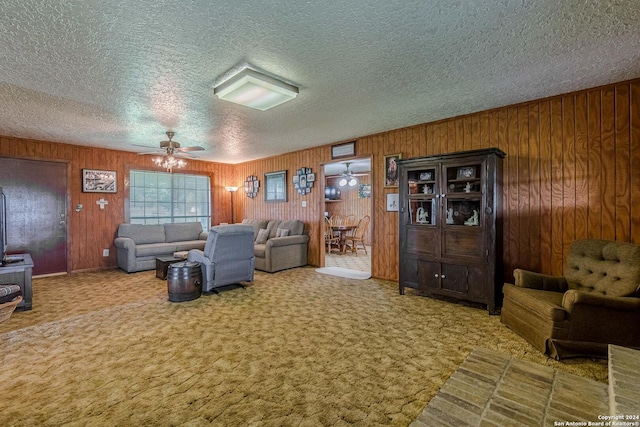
279,253
138,245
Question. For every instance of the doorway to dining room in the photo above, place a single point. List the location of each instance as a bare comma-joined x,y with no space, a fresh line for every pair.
348,201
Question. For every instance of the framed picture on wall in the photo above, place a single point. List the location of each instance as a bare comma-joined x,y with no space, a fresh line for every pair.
99,181
364,191
348,149
391,170
275,186
393,202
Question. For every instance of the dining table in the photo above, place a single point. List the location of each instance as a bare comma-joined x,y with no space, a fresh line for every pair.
343,231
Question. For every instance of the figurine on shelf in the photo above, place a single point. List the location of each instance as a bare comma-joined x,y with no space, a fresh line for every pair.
450,216
427,189
422,216
467,188
473,220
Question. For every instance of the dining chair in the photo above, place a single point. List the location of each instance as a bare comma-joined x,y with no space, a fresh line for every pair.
330,239
350,219
336,219
358,235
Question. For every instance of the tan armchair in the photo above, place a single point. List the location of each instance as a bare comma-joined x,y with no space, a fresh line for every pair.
596,303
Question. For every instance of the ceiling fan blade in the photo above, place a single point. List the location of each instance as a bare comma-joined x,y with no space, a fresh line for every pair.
180,153
194,148
156,153
145,146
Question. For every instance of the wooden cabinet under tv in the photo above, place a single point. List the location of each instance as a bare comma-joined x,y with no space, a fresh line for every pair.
450,226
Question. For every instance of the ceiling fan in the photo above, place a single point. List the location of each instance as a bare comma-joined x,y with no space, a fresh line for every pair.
170,154
348,177
173,148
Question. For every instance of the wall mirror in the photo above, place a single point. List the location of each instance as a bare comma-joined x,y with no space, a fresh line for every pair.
275,186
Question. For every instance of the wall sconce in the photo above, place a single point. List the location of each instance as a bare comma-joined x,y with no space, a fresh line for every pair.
78,207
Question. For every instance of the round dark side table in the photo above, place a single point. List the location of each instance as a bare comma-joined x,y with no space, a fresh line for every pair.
184,281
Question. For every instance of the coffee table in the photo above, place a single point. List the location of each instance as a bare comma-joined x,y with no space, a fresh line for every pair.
162,265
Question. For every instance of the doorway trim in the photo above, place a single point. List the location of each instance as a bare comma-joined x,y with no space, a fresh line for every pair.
324,205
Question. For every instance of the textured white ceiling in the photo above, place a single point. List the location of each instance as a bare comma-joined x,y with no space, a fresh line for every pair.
113,73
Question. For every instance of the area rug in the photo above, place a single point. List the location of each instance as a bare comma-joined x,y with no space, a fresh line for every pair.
344,272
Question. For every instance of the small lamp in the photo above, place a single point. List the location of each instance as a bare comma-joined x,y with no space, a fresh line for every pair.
231,190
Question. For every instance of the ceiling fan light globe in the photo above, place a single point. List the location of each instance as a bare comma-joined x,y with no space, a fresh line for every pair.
342,182
352,182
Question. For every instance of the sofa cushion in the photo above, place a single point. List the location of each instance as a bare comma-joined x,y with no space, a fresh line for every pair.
263,236
546,304
190,244
181,232
295,227
155,249
256,224
282,232
259,250
608,268
142,233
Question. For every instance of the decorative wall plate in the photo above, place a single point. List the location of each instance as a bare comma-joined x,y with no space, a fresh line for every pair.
251,186
303,180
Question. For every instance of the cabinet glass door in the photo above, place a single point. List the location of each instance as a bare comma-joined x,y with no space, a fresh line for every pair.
423,191
463,190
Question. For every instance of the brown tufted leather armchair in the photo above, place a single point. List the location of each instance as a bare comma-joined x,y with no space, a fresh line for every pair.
596,303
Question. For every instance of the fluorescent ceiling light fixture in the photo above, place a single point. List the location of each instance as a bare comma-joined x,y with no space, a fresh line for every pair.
256,90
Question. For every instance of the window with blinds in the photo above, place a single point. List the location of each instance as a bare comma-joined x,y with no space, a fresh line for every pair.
162,197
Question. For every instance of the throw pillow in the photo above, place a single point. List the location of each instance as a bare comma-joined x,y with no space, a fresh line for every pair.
263,235
282,232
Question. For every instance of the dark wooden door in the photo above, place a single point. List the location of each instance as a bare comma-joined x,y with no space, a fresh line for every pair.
37,211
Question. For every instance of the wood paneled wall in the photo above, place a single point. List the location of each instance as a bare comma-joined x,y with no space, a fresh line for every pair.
92,229
572,171
312,214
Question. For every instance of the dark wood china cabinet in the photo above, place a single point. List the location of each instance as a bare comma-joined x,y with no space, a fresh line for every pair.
450,226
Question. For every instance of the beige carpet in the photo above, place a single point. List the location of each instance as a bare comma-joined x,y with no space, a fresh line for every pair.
294,348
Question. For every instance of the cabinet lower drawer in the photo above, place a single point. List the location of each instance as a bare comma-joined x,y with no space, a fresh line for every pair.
462,243
422,241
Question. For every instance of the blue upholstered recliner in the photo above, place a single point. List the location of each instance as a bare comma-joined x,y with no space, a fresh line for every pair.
227,257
